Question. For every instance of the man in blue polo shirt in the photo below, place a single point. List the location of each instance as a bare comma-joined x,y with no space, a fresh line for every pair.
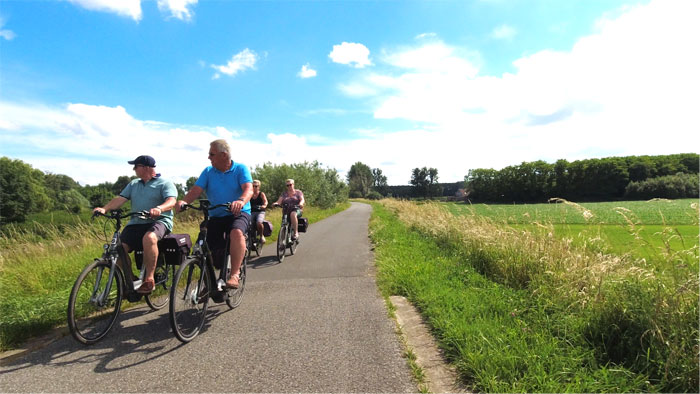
225,181
156,195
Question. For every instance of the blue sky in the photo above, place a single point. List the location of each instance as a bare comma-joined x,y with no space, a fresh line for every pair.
86,85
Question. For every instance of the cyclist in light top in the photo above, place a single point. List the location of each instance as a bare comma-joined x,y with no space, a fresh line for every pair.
225,181
156,195
292,197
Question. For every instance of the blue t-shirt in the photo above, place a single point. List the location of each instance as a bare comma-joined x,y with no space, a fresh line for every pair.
223,187
148,195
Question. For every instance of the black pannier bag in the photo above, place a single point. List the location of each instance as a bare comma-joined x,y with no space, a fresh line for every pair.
303,224
174,247
267,228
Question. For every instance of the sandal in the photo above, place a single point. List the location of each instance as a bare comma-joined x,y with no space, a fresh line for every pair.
146,287
232,283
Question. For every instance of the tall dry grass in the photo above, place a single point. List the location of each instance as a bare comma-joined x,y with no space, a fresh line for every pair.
633,312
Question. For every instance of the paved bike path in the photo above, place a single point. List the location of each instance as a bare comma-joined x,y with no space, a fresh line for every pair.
314,323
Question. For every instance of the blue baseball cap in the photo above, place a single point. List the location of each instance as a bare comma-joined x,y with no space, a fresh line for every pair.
144,160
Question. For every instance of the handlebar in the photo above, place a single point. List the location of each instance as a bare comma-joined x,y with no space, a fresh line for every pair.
204,206
117,214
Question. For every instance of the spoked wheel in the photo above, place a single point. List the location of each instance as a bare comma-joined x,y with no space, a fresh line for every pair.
293,246
94,302
164,276
235,296
258,248
189,297
281,246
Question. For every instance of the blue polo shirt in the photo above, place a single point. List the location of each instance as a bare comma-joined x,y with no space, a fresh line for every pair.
223,187
148,195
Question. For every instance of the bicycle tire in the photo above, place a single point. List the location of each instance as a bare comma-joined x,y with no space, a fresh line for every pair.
90,320
189,298
293,246
235,296
160,295
281,243
258,248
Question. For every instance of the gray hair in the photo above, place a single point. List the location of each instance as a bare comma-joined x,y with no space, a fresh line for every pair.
222,146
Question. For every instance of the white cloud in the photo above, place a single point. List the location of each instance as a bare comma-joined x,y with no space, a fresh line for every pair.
5,33
352,54
628,89
179,9
244,60
92,143
426,35
128,8
306,72
503,32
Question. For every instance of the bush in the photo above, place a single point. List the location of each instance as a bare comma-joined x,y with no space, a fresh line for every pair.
321,187
373,195
670,186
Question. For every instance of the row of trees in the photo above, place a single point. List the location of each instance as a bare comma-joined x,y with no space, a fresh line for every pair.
366,182
25,190
583,180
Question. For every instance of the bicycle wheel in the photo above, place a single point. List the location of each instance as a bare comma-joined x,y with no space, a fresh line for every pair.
293,246
281,243
258,248
189,297
94,302
164,276
235,296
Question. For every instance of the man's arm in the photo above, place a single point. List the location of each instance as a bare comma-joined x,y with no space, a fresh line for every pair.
167,205
191,195
237,205
115,203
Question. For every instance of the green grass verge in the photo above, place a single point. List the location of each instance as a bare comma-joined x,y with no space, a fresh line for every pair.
500,338
37,272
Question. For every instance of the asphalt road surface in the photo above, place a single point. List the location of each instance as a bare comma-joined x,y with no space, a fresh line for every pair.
315,323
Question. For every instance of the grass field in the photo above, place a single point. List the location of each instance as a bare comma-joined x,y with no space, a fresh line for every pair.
643,229
40,261
518,306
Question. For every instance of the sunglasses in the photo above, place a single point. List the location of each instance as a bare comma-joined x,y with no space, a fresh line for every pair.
290,184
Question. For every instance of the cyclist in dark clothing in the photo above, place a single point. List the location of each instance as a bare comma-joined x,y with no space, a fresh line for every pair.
258,203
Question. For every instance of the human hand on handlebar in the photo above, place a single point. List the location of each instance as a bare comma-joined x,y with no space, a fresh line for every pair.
236,207
155,212
180,206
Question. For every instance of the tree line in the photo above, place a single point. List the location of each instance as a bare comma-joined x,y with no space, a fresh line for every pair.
25,190
607,179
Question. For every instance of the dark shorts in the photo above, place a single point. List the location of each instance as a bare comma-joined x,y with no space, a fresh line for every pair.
258,217
219,227
132,235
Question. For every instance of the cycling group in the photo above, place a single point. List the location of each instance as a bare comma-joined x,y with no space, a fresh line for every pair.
223,243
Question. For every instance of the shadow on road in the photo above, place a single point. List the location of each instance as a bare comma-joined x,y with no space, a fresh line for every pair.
148,340
263,262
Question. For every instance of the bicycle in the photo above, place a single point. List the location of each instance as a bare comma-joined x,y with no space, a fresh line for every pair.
255,238
96,297
195,282
284,238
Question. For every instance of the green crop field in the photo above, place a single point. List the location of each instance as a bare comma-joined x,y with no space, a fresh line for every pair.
645,229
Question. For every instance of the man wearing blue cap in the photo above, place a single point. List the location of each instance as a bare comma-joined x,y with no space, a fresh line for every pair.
156,195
